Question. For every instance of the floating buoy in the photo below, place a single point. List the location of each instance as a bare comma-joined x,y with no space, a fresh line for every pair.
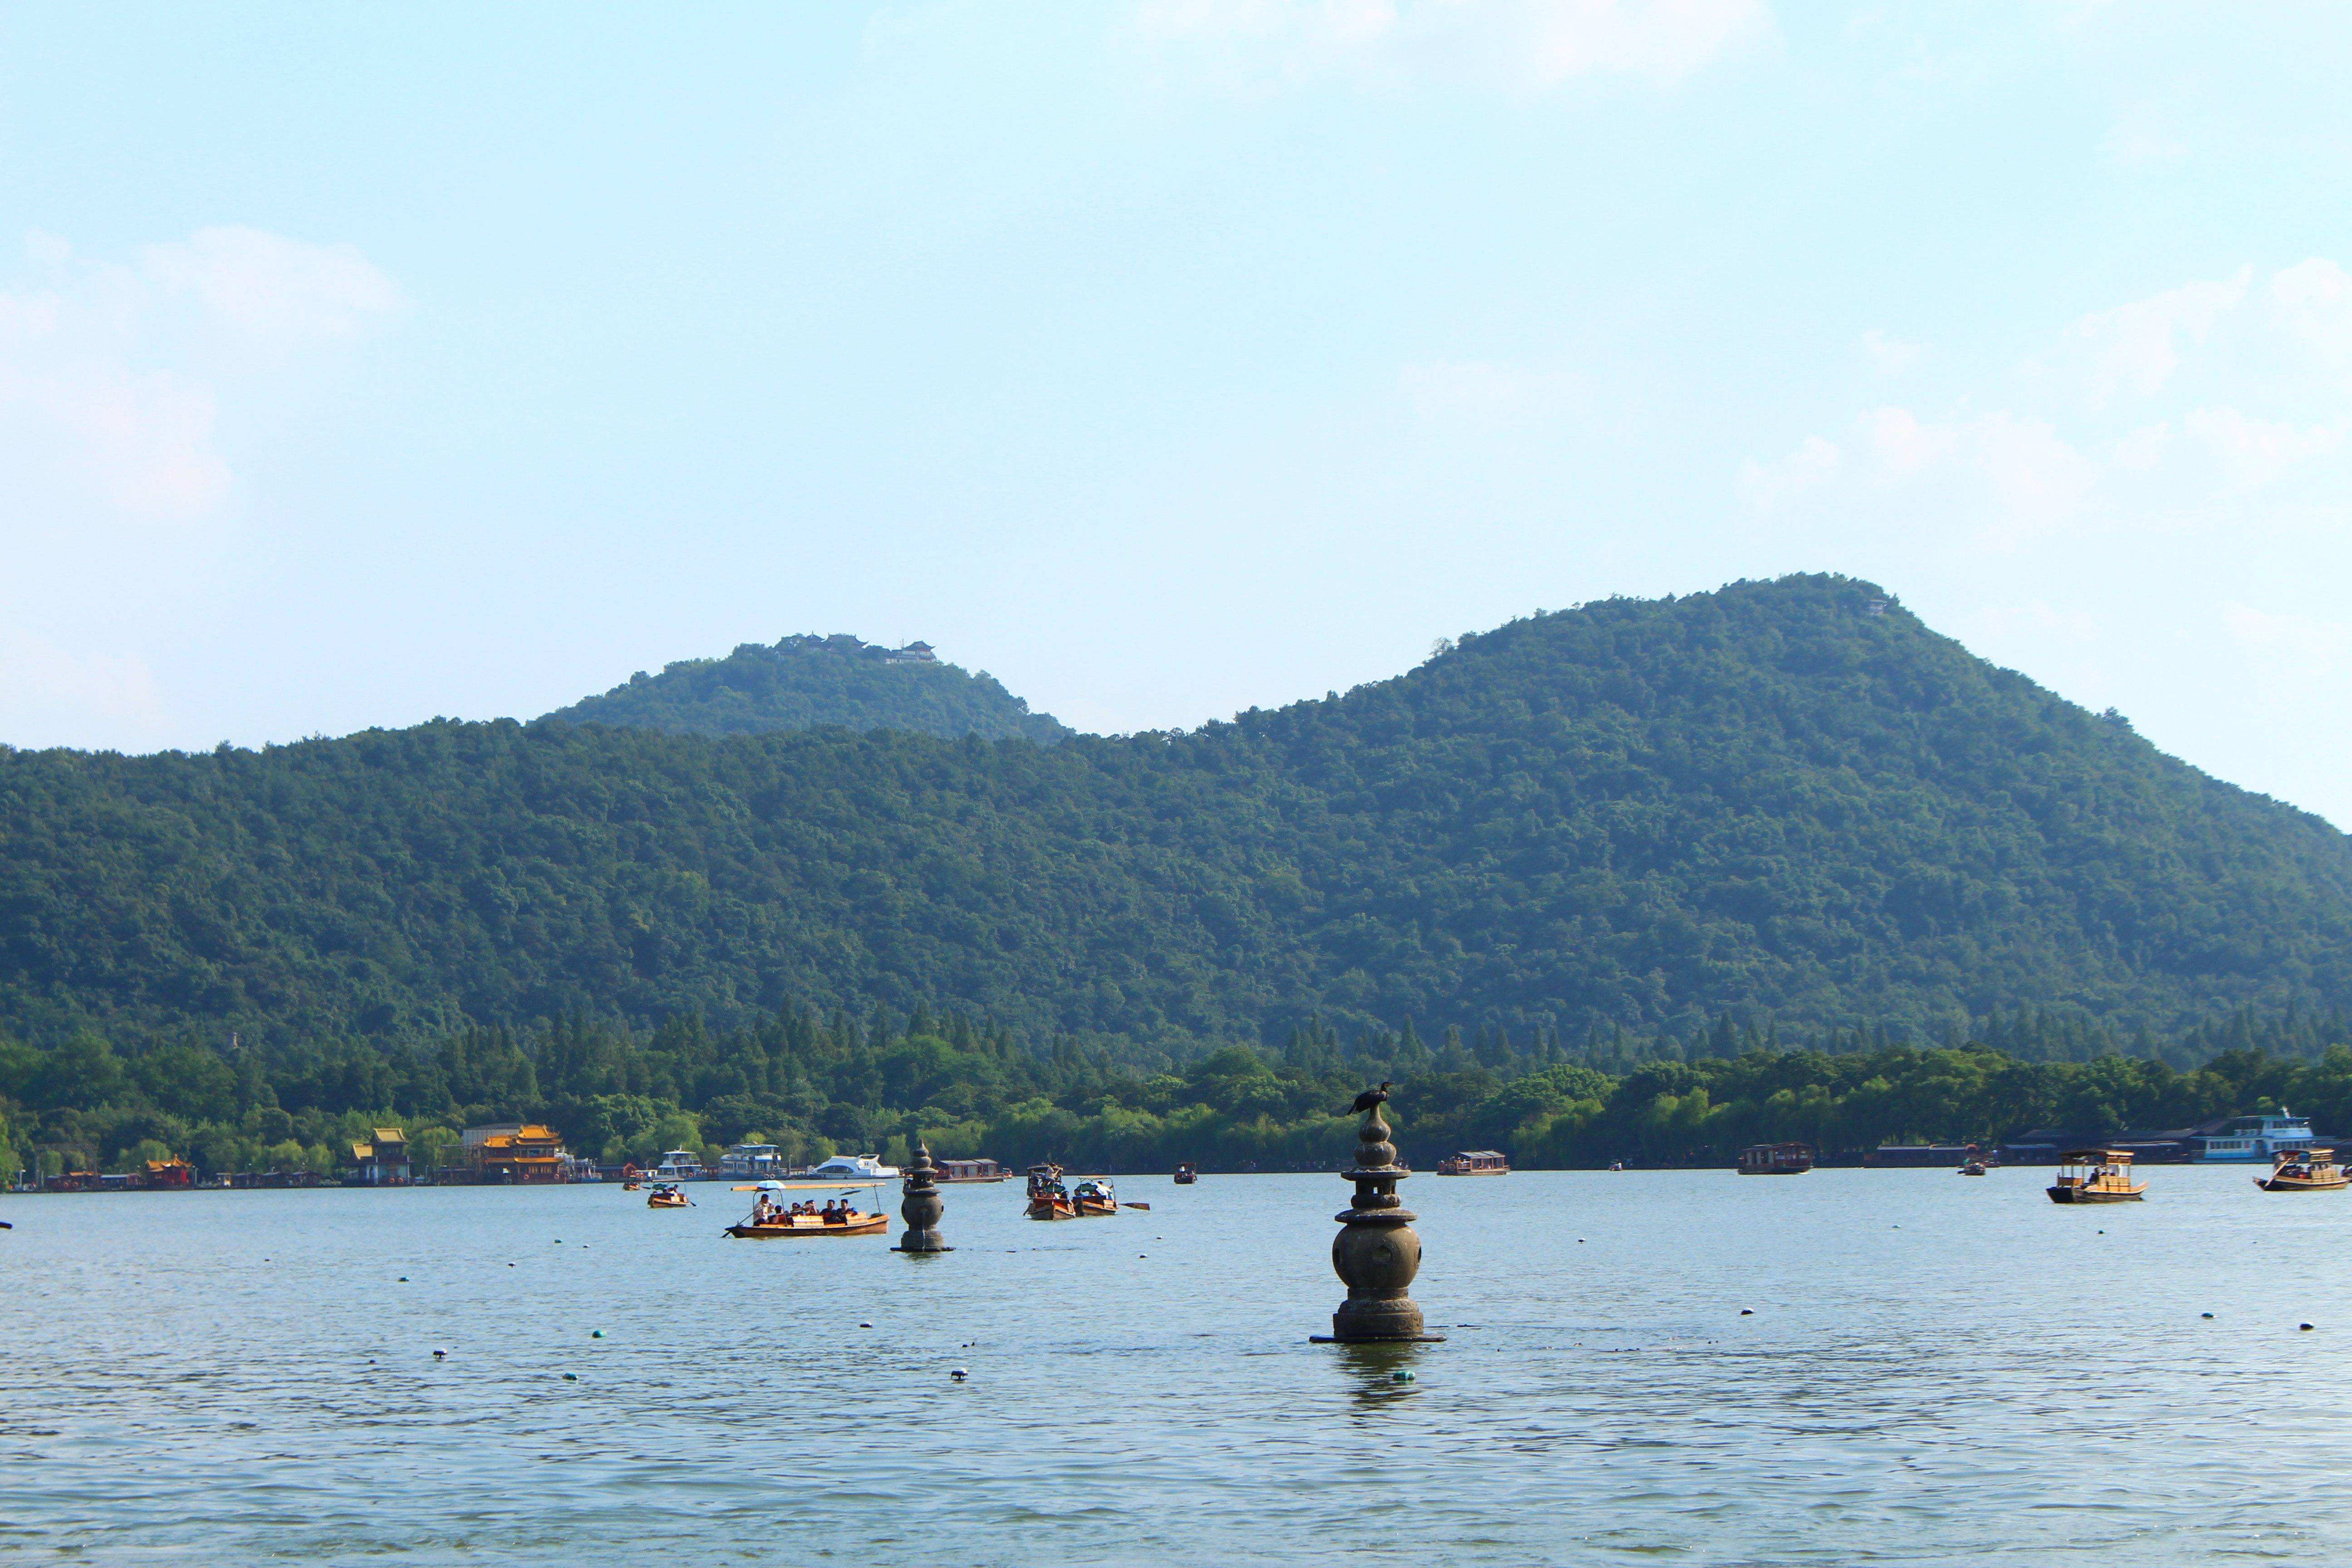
958,1373
403,1279
1401,1377
2304,1326
2205,1314
511,1266
865,1325
1746,1311
440,1355
595,1333
571,1377
1143,1255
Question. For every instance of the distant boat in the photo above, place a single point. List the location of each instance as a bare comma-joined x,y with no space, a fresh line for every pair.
1974,1168
667,1195
679,1165
1475,1163
2252,1139
1049,1199
971,1170
1776,1159
2305,1171
1186,1175
2096,1176
1093,1198
851,1166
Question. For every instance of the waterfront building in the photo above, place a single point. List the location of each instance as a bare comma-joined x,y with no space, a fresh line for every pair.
529,1152
382,1162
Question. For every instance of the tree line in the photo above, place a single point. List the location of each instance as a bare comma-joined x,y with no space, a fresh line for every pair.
814,1082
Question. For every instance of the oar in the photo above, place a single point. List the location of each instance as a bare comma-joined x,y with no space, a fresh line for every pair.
1135,1206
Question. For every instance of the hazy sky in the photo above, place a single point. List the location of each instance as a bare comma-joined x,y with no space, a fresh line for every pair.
361,364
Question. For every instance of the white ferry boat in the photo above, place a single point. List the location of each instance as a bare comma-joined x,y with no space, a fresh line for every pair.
852,1168
2253,1140
678,1165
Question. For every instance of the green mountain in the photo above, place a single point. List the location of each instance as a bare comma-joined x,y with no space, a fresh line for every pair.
806,681
1785,801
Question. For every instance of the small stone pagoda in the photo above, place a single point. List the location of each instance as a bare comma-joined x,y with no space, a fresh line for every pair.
923,1207
1377,1251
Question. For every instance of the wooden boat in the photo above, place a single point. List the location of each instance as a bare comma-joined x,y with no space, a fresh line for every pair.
855,1223
2096,1176
667,1195
1049,1199
1474,1162
1974,1168
1776,1159
970,1171
631,1186
2305,1171
1186,1175
1094,1198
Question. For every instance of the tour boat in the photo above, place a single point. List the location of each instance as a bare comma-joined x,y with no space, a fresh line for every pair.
1474,1162
970,1171
771,1220
1776,1159
679,1165
1974,1168
865,1166
1186,1175
2096,1176
1049,1199
2305,1171
1093,1197
667,1195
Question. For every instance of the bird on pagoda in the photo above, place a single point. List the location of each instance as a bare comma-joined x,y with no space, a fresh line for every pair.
1372,1096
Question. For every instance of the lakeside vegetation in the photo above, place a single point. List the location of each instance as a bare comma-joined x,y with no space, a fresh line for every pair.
1625,818
814,1084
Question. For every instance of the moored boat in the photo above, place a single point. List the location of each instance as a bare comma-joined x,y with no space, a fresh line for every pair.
970,1171
1776,1159
1186,1174
861,1167
2096,1176
2305,1171
1974,1168
1475,1163
1094,1198
667,1195
1049,1199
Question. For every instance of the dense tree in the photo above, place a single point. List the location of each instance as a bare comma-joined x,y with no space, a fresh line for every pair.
1695,819
803,682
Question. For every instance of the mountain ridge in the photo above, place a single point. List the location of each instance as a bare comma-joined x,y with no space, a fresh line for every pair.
1773,800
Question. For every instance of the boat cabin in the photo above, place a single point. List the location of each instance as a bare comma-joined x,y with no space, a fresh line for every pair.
679,1165
973,1171
1776,1159
2095,1176
1475,1163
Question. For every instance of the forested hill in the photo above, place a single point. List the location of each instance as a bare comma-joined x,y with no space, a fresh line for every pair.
804,681
1767,801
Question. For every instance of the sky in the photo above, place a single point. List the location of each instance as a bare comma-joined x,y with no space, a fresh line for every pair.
1164,357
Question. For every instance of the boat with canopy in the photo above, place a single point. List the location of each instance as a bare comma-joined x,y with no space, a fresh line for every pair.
773,1217
2096,1176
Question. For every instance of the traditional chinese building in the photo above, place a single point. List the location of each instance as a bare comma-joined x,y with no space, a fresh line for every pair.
382,1162
526,1153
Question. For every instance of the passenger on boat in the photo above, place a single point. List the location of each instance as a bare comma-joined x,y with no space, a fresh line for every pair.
836,1213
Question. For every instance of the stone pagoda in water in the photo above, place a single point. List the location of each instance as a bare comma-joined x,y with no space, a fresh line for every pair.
1377,1251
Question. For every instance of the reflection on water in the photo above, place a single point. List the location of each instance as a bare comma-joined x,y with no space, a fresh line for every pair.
1934,1372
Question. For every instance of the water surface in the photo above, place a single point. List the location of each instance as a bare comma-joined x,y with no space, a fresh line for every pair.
1938,1370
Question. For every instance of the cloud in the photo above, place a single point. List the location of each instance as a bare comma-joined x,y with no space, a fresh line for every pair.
1533,43
2312,637
1891,355
1816,461
2134,349
272,292
2018,473
109,394
46,691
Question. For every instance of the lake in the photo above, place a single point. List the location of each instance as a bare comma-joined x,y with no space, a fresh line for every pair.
1938,1370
